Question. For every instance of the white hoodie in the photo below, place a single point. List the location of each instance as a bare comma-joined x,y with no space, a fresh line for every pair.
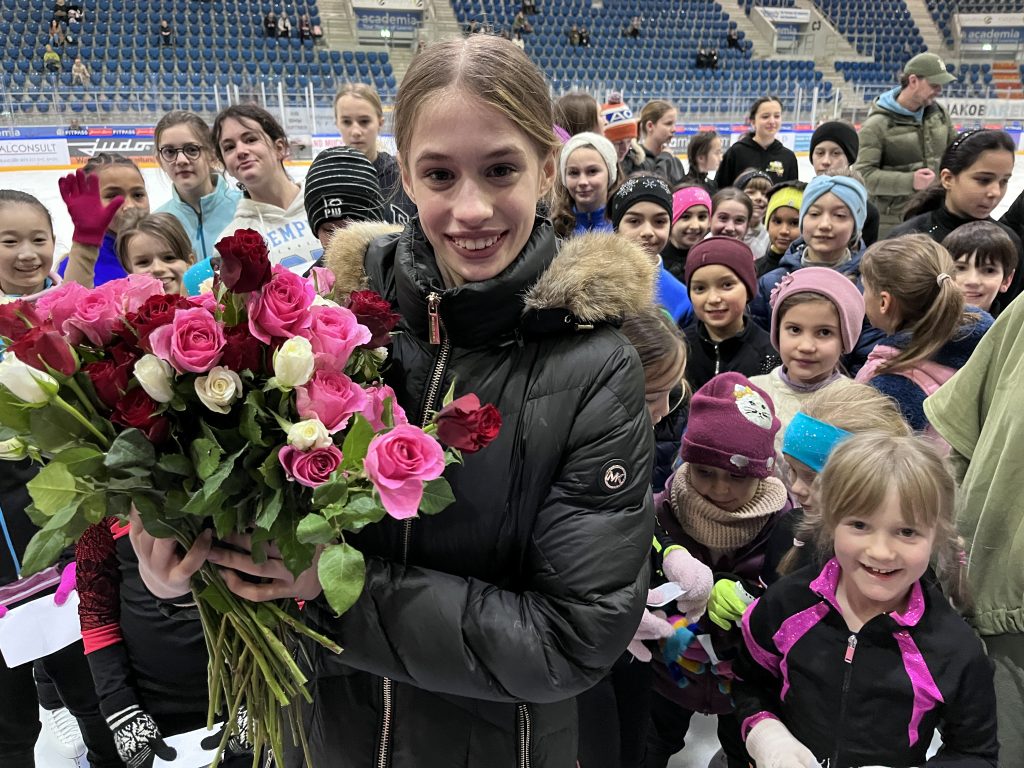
292,244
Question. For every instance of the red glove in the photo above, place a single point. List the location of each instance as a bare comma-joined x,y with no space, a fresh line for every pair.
81,193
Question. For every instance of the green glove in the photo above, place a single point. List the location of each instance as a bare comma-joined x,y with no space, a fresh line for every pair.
727,603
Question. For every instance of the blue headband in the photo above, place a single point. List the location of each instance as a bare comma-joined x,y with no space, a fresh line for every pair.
849,190
811,441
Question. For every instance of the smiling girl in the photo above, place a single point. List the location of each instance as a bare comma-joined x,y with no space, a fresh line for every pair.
760,149
589,175
201,198
157,245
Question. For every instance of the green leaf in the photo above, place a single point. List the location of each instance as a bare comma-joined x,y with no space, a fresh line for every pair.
249,426
94,507
296,555
223,471
437,494
38,518
334,491
342,573
82,461
43,550
130,450
53,489
53,429
269,510
13,412
271,470
356,514
357,441
175,464
313,529
449,396
213,598
206,455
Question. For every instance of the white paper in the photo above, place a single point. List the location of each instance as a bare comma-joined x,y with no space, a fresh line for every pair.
38,628
705,643
664,594
190,753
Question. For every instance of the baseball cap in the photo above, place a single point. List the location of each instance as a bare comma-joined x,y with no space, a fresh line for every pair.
930,67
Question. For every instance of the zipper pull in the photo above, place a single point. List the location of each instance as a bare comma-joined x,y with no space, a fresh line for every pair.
851,648
434,318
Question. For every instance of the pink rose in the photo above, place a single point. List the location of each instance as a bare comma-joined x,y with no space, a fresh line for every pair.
331,397
398,463
310,468
130,293
205,300
323,280
94,316
281,307
194,341
374,409
60,304
333,333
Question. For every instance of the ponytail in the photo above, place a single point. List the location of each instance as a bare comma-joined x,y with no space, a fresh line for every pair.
918,273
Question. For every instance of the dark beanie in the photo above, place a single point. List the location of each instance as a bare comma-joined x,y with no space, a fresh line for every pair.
342,185
640,189
843,134
727,252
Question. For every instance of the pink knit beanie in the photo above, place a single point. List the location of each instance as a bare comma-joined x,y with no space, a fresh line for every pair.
830,284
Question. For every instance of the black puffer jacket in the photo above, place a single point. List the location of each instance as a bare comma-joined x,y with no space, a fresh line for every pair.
478,626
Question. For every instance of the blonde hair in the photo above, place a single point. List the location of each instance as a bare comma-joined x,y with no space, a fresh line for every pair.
163,226
363,91
860,473
855,408
491,69
918,273
652,112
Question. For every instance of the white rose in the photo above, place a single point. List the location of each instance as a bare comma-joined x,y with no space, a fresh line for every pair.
322,301
12,450
156,377
206,286
293,363
25,382
219,388
309,434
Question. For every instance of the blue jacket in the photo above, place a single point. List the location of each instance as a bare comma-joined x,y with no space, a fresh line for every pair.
673,296
204,227
595,221
108,266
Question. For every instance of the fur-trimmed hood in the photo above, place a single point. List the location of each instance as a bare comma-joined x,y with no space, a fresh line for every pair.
595,277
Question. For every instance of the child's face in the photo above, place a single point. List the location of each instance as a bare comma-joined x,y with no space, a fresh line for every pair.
26,249
691,227
881,555
249,154
719,299
981,283
658,395
126,181
713,159
976,191
477,200
730,219
646,223
661,132
809,341
149,255
358,123
760,201
828,228
189,176
783,228
801,479
586,179
828,156
768,119
725,490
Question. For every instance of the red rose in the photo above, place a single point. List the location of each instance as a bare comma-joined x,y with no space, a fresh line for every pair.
139,410
109,379
242,350
17,318
43,347
245,261
373,311
465,425
156,312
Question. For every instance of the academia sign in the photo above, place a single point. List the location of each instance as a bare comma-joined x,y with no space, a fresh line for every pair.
995,29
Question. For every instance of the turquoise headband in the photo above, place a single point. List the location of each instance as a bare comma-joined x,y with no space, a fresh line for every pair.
811,441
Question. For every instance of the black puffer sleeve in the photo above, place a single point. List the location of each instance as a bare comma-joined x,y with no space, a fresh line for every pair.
585,573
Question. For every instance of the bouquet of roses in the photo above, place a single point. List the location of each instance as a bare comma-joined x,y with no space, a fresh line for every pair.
255,408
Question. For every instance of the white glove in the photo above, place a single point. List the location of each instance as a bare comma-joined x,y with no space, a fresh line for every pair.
653,626
694,577
771,745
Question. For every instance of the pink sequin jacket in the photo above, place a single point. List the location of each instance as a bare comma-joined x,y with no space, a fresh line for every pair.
869,698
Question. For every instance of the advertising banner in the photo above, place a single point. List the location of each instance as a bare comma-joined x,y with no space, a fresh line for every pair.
33,153
990,28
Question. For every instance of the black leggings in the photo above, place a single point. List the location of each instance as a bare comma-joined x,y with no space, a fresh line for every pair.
667,734
614,715
65,672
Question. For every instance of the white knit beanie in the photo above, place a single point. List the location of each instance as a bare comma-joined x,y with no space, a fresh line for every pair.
604,148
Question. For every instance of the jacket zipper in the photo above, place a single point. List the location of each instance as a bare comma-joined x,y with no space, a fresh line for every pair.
851,649
718,359
523,726
436,336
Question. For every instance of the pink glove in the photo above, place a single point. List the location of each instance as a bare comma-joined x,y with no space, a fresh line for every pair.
653,626
67,584
3,611
693,576
91,218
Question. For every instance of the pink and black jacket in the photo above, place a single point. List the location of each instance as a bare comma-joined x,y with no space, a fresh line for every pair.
874,697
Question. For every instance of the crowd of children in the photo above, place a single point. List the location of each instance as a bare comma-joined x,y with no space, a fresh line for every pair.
811,392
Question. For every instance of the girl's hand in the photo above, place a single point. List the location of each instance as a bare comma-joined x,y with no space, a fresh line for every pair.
164,570
81,193
772,746
276,581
